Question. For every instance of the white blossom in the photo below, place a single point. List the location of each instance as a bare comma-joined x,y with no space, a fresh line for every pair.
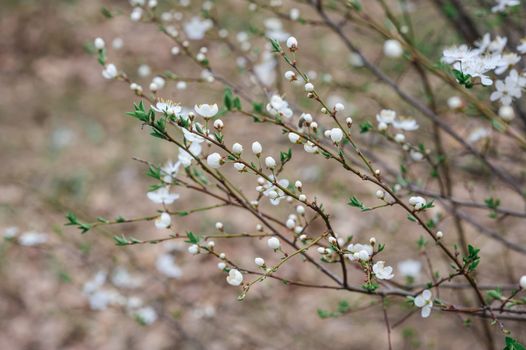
386,116
193,249
167,106
259,261
292,43
110,71
214,160
257,148
360,251
425,302
277,106
417,202
309,87
237,148
509,89
336,135
207,111
293,137
163,221
162,196
270,162
382,272
234,278
273,243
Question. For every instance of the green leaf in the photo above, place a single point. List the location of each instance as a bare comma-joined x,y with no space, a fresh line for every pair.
285,156
192,238
355,202
512,344
74,221
276,47
228,99
257,107
121,240
154,172
365,127
106,13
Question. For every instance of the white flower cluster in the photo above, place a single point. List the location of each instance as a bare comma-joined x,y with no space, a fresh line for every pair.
490,56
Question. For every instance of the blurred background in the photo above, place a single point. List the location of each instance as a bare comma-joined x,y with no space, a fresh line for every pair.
67,146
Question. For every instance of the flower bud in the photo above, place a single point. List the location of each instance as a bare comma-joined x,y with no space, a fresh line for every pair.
270,162
219,226
214,160
393,48
259,262
309,87
293,137
237,148
339,107
257,148
273,243
99,43
399,138
290,75
336,135
507,113
292,43
218,124
193,249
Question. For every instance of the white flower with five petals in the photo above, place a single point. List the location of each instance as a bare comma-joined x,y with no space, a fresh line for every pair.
425,302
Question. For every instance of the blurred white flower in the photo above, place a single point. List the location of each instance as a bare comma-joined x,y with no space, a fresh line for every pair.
410,268
123,279
162,196
32,238
146,315
502,4
110,71
386,116
393,48
10,232
279,107
166,265
196,28
478,134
